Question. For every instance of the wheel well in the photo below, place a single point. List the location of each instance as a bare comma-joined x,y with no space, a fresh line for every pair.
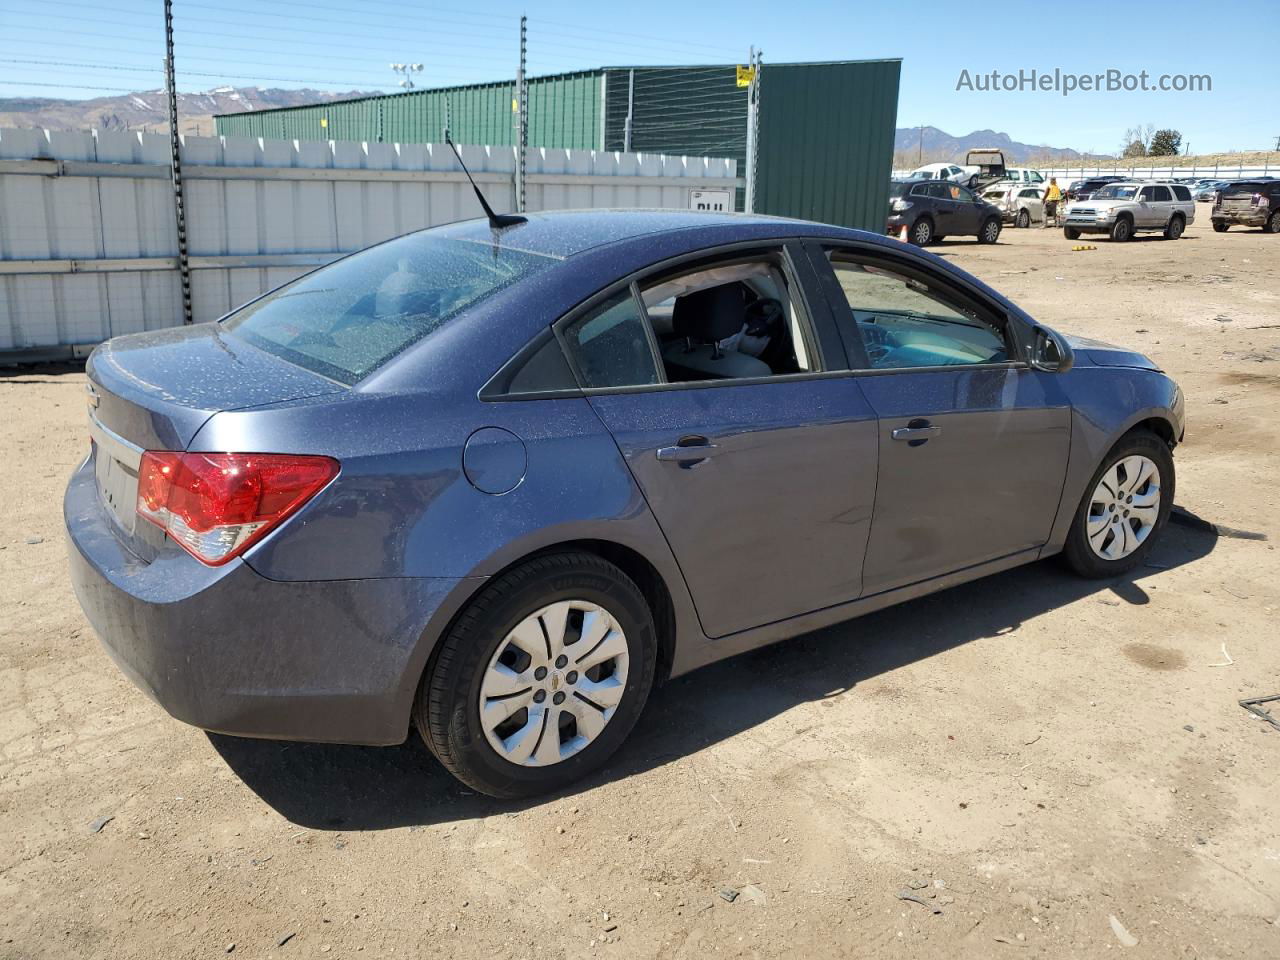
1125,215
1161,427
646,577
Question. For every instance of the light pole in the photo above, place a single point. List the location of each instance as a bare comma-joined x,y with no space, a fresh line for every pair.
407,68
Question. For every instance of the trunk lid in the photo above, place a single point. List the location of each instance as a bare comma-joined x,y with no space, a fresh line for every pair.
157,389
154,391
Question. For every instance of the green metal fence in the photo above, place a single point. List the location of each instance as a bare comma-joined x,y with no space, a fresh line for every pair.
825,137
826,141
564,111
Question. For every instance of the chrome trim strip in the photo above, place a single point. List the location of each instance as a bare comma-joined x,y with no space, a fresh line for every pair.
117,446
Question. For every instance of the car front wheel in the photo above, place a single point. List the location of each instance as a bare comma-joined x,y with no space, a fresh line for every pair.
1071,233
1273,224
922,232
1121,230
541,677
1125,508
990,231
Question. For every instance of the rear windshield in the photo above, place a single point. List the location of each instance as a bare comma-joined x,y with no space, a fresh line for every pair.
1248,186
347,319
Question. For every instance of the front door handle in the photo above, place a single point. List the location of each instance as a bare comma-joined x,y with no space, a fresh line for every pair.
688,451
916,432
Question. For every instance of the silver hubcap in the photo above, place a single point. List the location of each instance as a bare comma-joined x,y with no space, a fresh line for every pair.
554,683
1124,507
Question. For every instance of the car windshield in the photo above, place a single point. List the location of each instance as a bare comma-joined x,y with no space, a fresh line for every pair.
345,320
897,189
1111,192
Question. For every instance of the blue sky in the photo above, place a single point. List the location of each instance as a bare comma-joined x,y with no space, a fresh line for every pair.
75,49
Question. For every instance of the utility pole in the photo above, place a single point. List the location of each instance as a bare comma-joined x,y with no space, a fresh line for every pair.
522,115
175,164
753,130
631,107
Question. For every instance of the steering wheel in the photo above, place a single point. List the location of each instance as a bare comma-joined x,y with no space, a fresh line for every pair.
879,342
764,316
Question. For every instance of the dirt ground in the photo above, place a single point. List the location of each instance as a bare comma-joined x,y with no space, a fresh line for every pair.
1055,768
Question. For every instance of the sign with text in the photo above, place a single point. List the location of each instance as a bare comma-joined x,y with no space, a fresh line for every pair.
718,201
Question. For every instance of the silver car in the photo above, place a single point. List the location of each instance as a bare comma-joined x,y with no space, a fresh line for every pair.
1124,209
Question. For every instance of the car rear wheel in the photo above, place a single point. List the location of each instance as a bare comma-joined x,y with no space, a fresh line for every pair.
1173,229
1125,508
922,232
1024,218
1071,233
1220,226
1122,229
541,677
990,231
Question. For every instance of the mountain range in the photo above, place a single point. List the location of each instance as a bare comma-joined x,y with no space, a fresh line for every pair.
929,144
148,110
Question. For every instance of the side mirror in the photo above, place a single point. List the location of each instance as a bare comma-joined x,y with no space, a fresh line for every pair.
1050,352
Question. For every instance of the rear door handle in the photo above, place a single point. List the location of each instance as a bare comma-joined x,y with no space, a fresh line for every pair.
688,451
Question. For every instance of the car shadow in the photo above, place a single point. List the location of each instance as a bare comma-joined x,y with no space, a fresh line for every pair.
331,787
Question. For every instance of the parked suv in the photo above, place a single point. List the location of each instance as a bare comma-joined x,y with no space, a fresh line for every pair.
1123,209
1250,203
934,209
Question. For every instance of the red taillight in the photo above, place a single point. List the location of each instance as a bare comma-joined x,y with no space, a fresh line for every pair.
216,505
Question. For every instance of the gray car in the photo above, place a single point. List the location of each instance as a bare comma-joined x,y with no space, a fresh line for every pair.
495,482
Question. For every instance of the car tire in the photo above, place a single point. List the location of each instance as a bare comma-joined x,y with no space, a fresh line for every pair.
1071,233
1273,223
922,232
1122,230
989,232
1173,229
480,649
1024,218
1112,536
1221,226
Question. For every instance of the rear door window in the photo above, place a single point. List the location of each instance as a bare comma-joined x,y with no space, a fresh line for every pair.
1181,193
346,320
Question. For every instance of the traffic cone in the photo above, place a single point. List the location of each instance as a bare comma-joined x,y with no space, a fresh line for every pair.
902,234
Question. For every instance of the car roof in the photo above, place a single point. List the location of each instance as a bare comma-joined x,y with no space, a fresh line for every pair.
565,233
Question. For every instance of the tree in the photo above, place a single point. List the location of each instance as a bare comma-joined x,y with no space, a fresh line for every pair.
1165,143
1137,137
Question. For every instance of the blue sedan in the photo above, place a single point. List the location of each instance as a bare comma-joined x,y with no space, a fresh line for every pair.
495,481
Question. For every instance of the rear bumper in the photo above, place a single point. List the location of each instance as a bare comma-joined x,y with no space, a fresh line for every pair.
1253,217
230,651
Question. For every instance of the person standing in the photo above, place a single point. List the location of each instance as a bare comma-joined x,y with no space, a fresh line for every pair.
1052,197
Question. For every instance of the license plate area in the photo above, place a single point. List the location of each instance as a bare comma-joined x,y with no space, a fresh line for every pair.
116,472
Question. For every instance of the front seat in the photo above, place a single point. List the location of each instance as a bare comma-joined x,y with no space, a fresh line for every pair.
704,318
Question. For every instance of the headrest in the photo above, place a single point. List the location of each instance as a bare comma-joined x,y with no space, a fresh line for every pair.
710,315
